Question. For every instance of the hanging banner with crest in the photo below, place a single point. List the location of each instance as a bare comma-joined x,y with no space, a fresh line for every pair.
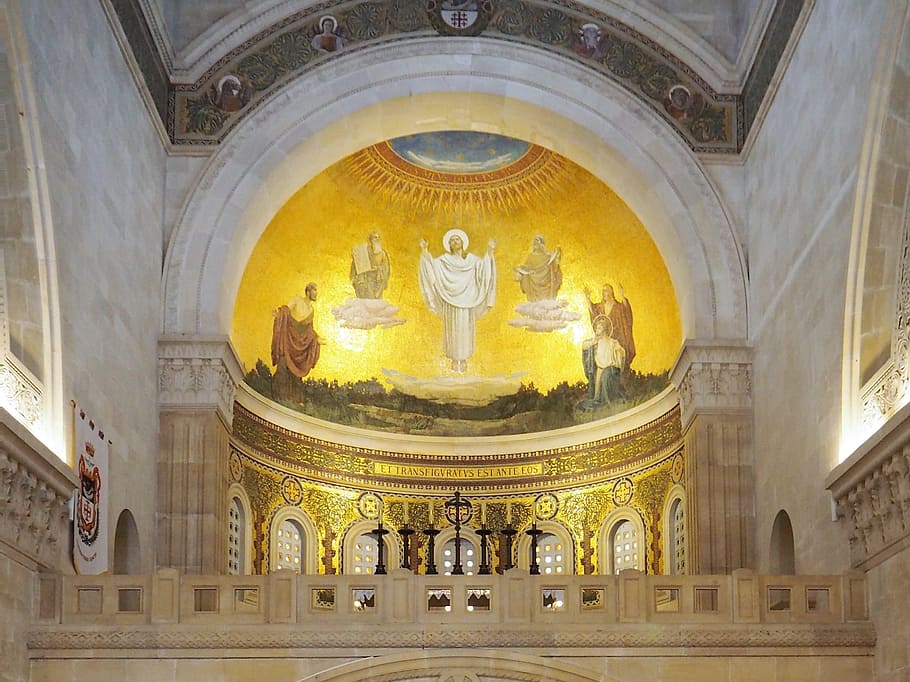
90,554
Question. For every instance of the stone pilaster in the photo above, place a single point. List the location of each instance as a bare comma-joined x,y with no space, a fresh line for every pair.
197,380
714,381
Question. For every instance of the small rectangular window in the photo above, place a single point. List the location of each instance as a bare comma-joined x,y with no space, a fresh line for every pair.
129,600
778,598
205,599
439,599
666,599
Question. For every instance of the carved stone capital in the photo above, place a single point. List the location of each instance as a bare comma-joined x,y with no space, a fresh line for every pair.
871,490
35,488
198,373
713,377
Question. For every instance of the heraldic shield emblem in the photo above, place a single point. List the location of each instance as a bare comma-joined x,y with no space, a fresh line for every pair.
88,500
459,17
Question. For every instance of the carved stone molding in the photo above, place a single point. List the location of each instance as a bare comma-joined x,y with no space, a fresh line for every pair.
35,488
93,638
872,492
198,373
713,377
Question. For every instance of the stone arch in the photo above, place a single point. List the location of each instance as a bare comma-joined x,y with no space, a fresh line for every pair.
493,665
782,548
127,548
452,84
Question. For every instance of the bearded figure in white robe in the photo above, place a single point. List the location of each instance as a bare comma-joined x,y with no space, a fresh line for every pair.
459,287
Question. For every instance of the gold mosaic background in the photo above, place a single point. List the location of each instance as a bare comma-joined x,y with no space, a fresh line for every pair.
581,511
311,237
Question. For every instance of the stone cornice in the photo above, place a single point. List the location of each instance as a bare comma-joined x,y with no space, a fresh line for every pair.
91,639
713,376
198,373
35,488
871,489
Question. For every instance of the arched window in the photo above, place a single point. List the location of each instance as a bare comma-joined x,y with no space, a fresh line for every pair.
292,541
236,528
783,557
551,555
554,551
675,549
622,543
290,547
360,551
366,555
470,557
239,532
677,556
626,545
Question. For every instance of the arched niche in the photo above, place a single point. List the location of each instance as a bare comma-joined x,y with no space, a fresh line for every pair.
440,84
127,549
782,552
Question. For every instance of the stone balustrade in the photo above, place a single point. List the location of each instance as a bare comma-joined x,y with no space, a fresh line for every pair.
404,610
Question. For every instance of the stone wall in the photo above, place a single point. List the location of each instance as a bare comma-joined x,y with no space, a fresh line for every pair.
798,207
105,171
16,590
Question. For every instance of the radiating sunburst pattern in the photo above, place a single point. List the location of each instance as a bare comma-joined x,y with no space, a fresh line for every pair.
432,174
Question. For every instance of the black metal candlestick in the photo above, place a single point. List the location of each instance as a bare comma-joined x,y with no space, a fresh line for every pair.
406,532
379,532
508,534
457,568
431,534
533,564
484,533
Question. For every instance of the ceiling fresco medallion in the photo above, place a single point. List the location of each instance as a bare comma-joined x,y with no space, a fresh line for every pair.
459,17
456,284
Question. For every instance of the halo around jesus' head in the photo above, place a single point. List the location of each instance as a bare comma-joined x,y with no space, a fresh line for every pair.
454,232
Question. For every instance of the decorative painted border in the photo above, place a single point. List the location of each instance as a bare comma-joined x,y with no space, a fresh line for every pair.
708,122
561,468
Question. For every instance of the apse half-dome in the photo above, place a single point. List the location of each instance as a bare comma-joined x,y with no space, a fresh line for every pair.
456,284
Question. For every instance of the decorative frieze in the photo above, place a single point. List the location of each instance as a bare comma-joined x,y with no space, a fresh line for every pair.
871,490
35,489
198,373
347,638
714,378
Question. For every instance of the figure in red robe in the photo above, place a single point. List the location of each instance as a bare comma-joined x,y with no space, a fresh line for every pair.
295,345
